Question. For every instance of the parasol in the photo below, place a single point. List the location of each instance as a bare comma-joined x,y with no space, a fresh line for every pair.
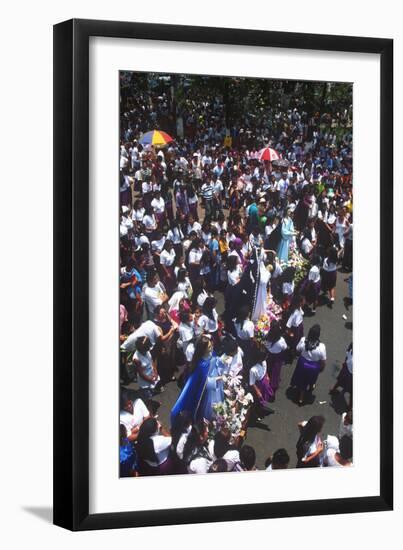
156,138
268,154
281,163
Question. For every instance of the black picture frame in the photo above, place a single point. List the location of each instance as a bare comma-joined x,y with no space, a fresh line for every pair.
71,273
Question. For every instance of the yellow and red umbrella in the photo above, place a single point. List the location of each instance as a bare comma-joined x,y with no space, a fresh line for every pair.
156,138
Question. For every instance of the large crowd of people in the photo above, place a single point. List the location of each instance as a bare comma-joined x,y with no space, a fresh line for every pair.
216,243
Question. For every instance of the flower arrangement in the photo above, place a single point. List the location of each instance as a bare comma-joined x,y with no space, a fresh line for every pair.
273,312
301,265
231,413
262,327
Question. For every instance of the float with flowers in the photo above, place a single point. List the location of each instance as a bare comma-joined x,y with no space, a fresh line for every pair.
233,412
299,263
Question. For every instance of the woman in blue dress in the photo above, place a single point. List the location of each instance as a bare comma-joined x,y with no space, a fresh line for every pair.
203,388
287,233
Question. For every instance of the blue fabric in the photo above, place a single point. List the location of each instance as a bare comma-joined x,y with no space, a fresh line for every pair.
214,392
190,397
287,230
127,458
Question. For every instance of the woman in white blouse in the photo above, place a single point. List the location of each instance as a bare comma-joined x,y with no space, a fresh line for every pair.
153,448
342,456
244,328
138,212
276,347
167,260
311,362
234,269
195,254
209,319
150,223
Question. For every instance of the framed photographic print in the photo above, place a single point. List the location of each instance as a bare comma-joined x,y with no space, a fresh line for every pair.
208,289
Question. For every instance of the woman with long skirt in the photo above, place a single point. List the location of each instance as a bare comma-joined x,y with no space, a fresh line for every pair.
259,380
311,362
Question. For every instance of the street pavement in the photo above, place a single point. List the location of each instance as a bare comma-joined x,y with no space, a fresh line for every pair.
280,428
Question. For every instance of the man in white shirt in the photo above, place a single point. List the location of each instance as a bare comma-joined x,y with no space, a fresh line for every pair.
132,415
148,329
154,294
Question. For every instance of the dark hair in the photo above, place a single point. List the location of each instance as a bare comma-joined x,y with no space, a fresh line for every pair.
274,333
148,210
184,316
229,346
201,346
181,276
308,434
144,444
208,307
167,243
332,256
232,262
205,258
247,455
221,442
151,275
288,274
315,259
195,244
218,466
194,441
158,308
295,303
243,314
143,344
280,459
312,340
181,422
257,354
346,447
122,433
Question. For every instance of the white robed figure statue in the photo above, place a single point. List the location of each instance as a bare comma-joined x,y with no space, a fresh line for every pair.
261,284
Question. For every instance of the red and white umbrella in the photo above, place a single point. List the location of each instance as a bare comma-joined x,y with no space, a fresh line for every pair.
269,154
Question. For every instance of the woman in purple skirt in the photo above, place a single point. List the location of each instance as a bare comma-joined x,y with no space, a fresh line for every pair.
311,362
259,380
276,347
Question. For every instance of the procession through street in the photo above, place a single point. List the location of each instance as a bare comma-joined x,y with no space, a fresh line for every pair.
236,282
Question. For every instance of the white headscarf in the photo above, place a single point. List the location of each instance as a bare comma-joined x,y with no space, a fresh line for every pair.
175,299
